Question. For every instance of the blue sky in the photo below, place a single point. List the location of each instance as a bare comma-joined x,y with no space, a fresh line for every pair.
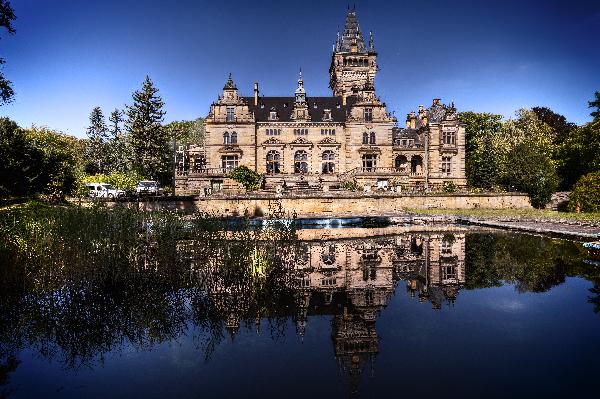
69,56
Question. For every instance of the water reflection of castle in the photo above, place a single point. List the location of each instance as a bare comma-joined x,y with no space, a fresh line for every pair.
353,280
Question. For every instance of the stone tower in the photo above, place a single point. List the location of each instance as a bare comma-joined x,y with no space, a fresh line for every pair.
353,63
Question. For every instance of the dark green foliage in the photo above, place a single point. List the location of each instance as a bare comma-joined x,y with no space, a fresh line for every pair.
449,187
21,161
246,177
187,132
481,164
7,15
595,104
586,194
558,123
531,171
149,142
579,154
117,145
96,149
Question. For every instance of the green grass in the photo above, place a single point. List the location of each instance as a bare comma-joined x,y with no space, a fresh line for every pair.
523,213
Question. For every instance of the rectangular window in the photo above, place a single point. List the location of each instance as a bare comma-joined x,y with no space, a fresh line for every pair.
230,114
229,162
446,165
368,114
448,137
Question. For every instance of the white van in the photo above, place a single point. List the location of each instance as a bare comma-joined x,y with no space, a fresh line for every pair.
103,190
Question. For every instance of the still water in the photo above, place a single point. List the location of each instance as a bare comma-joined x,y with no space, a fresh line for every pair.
97,306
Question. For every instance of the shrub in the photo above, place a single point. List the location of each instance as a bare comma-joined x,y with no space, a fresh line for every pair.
449,187
351,185
246,177
586,193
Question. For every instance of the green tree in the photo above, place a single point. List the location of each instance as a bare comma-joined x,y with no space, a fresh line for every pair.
481,163
586,194
187,132
579,154
21,161
246,177
96,148
60,163
531,170
117,145
595,104
148,140
7,15
558,123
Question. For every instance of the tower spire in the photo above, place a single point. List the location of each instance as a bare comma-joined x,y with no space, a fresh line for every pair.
352,34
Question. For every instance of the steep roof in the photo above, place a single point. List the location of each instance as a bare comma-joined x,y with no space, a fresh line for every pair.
285,105
351,33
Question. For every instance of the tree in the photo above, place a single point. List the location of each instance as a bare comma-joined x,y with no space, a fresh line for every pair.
531,170
246,177
96,148
187,132
148,140
586,194
578,154
21,161
595,104
7,15
117,145
481,164
558,123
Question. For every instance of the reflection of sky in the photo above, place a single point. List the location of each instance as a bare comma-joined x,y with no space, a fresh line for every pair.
545,344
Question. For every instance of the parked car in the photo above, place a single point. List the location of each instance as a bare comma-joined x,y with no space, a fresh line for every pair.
149,187
103,190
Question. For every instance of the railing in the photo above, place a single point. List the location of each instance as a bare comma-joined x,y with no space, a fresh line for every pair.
205,172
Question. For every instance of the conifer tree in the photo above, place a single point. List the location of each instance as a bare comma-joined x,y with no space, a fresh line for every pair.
96,147
118,143
148,139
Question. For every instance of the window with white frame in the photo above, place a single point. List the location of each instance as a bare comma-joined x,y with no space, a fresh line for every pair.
229,162
446,165
230,114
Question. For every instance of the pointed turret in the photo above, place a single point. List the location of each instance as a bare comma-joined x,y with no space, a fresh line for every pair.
352,39
229,85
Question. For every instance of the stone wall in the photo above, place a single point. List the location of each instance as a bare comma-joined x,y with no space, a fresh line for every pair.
349,205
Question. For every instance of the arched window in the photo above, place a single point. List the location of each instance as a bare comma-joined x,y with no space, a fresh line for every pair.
328,164
233,138
400,163
416,164
301,162
372,138
273,162
226,138
365,138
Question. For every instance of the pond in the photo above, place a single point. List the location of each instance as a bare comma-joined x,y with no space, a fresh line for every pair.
119,304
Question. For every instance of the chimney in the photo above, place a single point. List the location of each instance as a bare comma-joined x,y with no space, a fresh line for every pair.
436,101
407,121
413,120
255,93
343,99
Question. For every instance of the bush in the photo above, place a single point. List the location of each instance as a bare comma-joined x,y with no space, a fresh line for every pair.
449,187
351,185
586,194
246,177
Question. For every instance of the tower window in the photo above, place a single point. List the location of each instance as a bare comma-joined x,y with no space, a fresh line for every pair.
365,138
368,114
233,138
372,138
226,139
448,137
230,114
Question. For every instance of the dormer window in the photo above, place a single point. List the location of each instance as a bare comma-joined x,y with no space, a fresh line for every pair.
368,114
327,115
273,114
262,106
230,114
315,105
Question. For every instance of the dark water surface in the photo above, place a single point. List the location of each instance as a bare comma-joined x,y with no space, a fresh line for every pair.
101,305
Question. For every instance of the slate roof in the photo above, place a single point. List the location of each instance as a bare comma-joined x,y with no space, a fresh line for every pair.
285,105
351,31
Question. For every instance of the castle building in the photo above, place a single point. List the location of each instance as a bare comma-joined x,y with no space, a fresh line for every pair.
304,141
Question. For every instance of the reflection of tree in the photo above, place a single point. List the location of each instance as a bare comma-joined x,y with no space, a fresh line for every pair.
529,262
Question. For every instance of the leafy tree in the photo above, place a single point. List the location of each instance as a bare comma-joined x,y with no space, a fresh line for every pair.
187,132
96,148
246,177
60,162
586,194
558,123
7,15
532,171
148,140
117,145
578,154
595,104
481,164
21,161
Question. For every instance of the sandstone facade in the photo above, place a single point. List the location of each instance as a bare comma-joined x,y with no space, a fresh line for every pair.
302,141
